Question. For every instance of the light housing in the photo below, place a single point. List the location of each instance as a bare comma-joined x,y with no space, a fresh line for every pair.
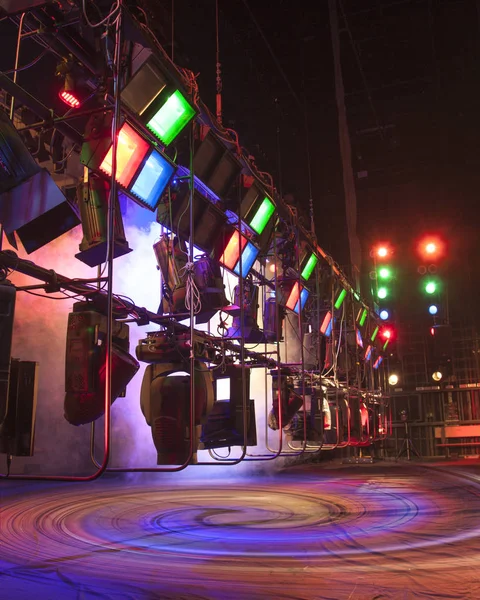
142,171
257,210
31,203
158,101
239,254
308,265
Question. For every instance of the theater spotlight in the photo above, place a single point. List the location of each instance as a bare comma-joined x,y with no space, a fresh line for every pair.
393,379
31,204
93,196
85,363
158,101
165,403
437,376
257,210
250,329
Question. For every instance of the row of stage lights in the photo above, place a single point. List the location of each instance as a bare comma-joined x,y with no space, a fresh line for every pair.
234,229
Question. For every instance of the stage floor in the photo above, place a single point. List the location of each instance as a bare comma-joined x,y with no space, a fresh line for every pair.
353,532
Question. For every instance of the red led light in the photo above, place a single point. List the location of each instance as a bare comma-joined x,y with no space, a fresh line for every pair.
69,99
294,296
382,252
431,247
387,334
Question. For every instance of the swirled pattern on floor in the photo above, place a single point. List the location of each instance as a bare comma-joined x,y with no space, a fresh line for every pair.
355,533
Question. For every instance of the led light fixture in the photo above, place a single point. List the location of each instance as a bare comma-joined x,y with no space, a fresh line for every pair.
309,266
257,210
382,293
300,305
359,338
215,165
326,326
433,309
340,298
384,314
368,353
374,334
31,203
378,362
362,316
239,253
294,297
158,101
142,171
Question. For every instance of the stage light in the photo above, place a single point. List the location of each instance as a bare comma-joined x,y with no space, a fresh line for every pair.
359,338
382,293
142,171
293,297
131,150
93,197
85,363
368,353
393,379
386,334
215,165
326,326
362,316
308,266
258,210
382,252
433,309
437,376
300,305
208,220
157,100
431,247
273,317
340,298
31,204
374,334
430,287
165,396
152,180
384,315
384,273
73,91
378,362
239,251
250,329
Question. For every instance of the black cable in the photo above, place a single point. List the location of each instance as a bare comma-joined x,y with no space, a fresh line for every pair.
30,64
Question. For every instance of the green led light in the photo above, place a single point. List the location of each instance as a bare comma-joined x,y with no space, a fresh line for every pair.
385,345
374,334
431,287
308,268
340,299
262,216
172,117
382,293
363,317
384,273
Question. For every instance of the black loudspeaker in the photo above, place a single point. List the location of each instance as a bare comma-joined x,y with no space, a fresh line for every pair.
18,430
7,312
